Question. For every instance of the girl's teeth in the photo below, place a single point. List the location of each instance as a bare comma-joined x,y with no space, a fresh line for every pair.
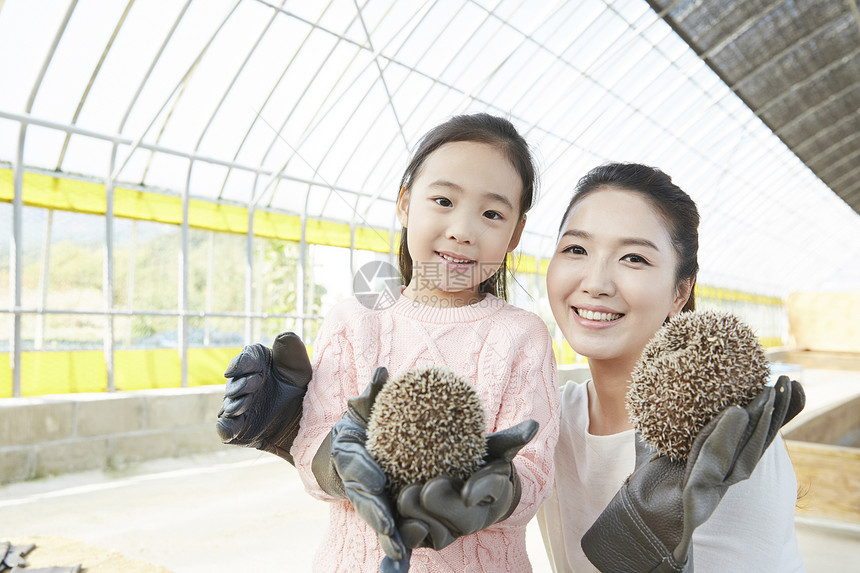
598,316
453,260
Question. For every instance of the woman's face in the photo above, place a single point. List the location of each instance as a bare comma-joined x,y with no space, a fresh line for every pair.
611,281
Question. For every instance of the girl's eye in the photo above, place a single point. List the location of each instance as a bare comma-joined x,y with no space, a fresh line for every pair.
573,250
633,258
443,201
495,215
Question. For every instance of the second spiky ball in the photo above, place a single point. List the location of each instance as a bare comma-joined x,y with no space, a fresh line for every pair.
425,423
696,365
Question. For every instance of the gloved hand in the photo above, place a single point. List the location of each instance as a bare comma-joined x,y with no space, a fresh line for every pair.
649,524
262,403
344,468
445,508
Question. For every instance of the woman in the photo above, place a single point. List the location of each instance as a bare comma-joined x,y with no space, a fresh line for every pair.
626,260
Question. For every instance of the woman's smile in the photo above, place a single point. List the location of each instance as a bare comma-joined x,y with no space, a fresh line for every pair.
597,315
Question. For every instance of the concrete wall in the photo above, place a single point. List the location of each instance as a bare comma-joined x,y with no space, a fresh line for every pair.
836,425
823,321
51,435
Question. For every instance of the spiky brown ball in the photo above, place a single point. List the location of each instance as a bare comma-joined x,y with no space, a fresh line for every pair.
696,365
425,423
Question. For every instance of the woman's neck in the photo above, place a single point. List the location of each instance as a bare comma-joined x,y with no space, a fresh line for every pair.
607,393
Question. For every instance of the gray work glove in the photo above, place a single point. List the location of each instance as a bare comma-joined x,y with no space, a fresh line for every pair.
262,403
12,560
436,513
55,569
344,468
13,555
649,524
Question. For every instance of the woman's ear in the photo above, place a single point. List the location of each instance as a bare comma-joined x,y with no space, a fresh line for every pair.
682,294
518,232
403,207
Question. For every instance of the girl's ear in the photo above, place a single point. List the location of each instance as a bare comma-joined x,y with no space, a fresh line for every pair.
518,232
403,207
682,294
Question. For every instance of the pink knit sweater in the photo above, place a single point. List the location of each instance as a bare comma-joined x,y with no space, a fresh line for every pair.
506,352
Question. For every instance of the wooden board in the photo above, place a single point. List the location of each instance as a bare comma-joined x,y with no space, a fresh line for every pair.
828,480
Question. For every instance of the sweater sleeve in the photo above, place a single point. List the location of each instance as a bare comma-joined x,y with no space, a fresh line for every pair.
332,384
532,392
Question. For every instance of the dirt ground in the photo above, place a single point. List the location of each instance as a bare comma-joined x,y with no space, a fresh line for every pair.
240,510
60,551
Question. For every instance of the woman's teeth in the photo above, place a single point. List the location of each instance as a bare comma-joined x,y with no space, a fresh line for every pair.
453,260
598,316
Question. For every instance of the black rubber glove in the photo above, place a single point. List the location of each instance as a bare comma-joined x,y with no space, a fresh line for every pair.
344,468
263,399
445,508
649,524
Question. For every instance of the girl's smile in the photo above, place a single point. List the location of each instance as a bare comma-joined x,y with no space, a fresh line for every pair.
456,262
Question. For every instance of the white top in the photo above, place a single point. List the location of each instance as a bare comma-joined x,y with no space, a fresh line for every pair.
751,530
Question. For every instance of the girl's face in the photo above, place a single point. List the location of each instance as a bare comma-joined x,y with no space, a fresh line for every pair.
611,281
462,213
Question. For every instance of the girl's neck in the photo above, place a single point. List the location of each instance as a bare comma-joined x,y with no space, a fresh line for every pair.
607,393
438,298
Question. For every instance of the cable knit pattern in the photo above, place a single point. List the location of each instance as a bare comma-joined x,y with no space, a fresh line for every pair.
504,351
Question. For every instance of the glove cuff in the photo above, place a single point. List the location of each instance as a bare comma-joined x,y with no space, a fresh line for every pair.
324,472
518,491
620,540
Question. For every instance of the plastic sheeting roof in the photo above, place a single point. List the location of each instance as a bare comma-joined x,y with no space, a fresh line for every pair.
312,108
796,65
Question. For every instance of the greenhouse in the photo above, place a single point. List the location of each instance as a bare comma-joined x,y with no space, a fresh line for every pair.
183,182
178,179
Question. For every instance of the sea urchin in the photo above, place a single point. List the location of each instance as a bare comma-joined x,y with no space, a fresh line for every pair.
425,423
696,365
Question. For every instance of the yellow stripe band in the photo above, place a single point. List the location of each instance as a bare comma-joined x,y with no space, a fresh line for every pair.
87,197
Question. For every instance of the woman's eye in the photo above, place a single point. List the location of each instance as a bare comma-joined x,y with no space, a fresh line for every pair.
495,215
574,250
443,201
632,258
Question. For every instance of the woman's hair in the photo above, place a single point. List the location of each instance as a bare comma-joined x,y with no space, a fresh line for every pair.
478,128
676,208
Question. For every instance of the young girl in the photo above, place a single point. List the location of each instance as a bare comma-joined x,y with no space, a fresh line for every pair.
462,205
625,261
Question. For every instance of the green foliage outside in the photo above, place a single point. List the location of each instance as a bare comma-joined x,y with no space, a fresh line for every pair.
146,278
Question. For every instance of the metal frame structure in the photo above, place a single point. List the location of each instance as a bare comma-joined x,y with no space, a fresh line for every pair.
310,110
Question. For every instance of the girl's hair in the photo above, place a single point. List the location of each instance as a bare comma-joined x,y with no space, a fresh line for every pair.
478,128
676,208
